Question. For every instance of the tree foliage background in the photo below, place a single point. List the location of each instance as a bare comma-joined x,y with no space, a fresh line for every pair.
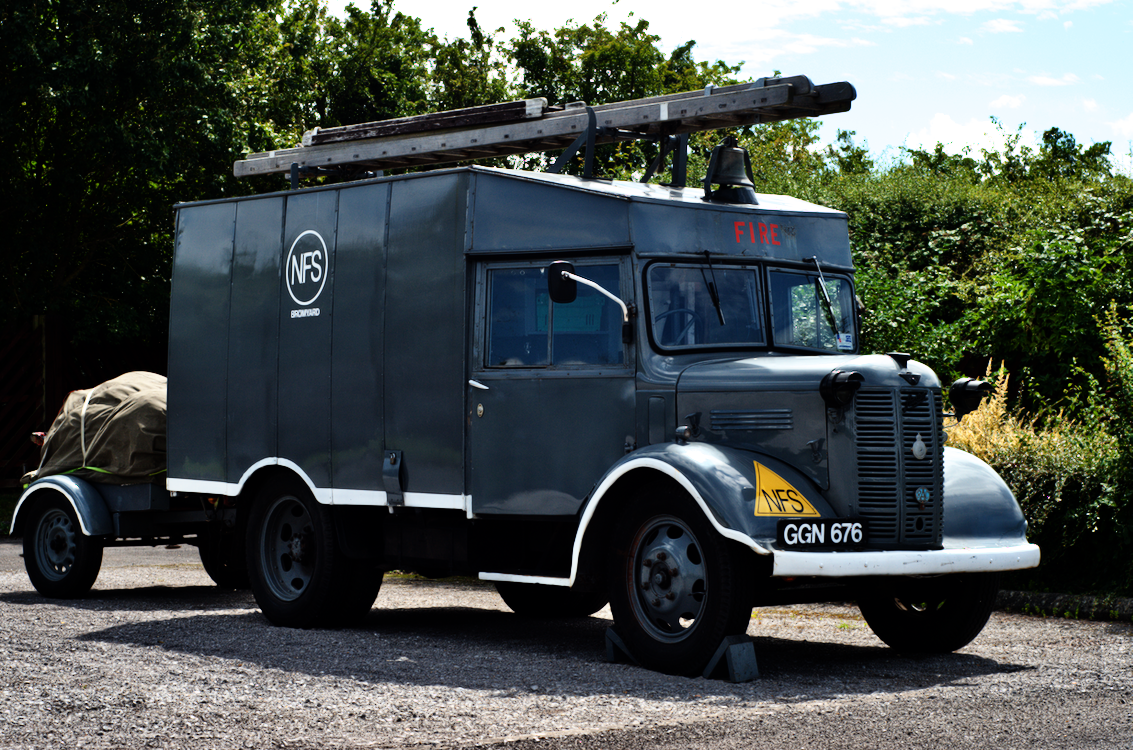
113,111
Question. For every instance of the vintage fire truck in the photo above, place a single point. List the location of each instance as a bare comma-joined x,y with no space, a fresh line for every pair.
583,390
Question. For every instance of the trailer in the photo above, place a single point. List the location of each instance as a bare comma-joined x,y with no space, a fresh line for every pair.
582,390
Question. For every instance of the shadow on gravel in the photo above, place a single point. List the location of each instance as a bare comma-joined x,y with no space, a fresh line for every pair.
143,599
492,650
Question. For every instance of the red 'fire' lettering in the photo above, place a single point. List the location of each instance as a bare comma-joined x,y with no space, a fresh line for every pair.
774,237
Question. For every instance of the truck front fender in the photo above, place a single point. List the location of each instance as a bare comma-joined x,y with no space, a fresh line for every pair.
978,505
94,517
723,481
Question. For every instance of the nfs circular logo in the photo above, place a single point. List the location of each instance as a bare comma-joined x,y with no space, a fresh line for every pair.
306,267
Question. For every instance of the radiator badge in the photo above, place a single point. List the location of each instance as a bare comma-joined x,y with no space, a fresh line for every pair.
920,450
774,496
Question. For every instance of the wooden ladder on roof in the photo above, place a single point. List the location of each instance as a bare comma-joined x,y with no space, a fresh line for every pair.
530,125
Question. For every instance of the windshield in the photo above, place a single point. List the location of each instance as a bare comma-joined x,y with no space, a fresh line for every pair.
801,317
684,312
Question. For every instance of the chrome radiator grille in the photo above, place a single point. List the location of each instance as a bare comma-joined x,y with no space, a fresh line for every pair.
888,424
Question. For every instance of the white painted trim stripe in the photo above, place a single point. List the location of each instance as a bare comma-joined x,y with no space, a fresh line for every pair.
544,580
904,563
325,495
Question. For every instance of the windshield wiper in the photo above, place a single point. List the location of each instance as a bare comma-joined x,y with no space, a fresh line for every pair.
712,293
825,297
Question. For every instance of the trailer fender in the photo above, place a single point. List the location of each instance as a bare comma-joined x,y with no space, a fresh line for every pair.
978,505
94,517
724,482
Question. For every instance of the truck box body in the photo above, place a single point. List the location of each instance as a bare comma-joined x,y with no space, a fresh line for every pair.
376,359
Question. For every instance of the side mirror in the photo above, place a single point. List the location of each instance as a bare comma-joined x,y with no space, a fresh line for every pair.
966,394
562,289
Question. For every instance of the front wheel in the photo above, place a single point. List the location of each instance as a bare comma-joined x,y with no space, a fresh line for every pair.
299,575
930,615
677,588
61,561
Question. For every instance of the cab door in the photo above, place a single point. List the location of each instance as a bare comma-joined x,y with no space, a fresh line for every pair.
551,394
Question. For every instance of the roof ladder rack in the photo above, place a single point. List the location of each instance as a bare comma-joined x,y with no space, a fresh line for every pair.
531,126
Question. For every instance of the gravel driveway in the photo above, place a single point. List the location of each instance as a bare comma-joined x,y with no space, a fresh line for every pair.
158,657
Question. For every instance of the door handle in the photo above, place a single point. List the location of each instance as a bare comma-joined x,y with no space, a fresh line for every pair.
478,384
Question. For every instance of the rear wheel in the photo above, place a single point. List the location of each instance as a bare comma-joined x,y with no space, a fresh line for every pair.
536,600
61,561
298,573
677,588
930,615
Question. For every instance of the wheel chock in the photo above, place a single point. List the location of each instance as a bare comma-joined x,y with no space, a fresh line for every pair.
734,661
616,650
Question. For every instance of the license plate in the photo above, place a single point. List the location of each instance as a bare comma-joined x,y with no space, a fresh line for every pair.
822,533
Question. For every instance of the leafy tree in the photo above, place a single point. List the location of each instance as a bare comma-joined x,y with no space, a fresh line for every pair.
850,158
1060,157
109,113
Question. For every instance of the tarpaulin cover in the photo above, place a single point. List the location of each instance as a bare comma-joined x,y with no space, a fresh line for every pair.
113,433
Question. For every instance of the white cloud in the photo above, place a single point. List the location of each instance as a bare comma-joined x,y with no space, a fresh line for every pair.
1090,105
1008,102
775,43
1065,80
1123,127
965,41
945,76
902,22
973,135
1001,26
1067,24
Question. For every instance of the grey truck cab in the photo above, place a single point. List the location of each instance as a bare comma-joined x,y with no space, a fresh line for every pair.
582,390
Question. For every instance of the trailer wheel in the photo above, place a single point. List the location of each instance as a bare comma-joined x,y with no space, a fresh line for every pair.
299,575
61,561
930,615
223,557
677,588
550,602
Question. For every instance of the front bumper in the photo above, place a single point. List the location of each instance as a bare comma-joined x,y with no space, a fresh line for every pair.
904,563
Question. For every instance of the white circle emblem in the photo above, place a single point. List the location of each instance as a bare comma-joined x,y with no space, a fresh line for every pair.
306,267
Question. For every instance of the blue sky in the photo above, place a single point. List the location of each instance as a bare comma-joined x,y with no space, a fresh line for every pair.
926,71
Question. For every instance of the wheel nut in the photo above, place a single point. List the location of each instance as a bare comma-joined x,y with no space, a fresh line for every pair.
662,556
670,596
647,563
645,584
656,602
673,572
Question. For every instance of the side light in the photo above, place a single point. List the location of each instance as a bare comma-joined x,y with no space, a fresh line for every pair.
838,387
966,394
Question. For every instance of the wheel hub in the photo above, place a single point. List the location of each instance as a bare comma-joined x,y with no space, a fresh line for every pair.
288,551
671,578
57,547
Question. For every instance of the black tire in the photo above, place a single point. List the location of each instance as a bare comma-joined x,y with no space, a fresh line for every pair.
550,602
677,588
224,558
930,615
61,561
298,574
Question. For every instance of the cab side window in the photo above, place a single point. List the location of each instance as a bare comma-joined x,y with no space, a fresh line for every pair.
525,329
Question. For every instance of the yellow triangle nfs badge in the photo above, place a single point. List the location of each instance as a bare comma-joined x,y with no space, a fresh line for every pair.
774,496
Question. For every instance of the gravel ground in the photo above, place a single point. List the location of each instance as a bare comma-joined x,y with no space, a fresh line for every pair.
158,657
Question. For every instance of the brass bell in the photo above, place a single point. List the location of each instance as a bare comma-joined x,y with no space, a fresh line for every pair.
730,168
